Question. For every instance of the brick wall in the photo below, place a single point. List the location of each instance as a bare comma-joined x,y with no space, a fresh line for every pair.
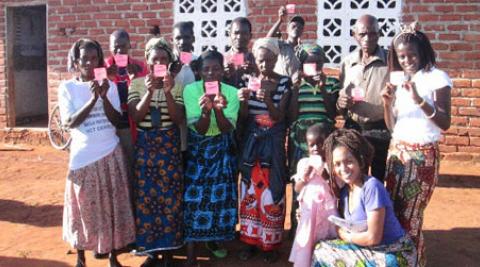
452,25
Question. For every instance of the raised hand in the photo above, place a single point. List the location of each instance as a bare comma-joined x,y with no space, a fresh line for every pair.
205,103
219,102
388,94
243,94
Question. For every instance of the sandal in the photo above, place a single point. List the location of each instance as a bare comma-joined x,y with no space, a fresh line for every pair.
270,256
216,250
247,253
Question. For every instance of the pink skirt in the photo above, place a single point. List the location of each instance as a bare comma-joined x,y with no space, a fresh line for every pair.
97,213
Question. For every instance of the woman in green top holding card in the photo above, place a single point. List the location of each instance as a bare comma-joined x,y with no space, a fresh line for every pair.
210,185
155,104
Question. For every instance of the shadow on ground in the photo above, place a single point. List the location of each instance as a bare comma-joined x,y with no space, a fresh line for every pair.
41,215
459,241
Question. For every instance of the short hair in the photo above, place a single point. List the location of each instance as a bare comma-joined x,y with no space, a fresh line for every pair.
351,139
298,19
321,129
210,55
370,19
242,21
421,41
84,43
120,34
184,25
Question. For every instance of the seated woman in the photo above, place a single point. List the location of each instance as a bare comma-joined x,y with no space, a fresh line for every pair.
365,200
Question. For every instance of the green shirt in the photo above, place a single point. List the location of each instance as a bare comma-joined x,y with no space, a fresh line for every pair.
311,105
191,96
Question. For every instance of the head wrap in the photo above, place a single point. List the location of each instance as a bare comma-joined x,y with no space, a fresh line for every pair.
159,43
311,49
267,43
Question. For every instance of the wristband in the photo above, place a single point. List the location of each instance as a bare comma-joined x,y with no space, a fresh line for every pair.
422,103
433,113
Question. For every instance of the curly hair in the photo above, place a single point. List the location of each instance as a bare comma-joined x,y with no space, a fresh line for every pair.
74,52
352,140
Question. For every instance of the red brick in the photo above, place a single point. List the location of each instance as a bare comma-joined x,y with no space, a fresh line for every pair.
449,36
463,102
456,140
474,122
469,149
469,111
471,37
476,102
447,149
461,47
466,8
460,121
474,132
457,27
471,92
462,83
475,141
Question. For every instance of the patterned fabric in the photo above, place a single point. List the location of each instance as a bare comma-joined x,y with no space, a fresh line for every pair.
158,190
261,219
311,110
97,214
158,104
256,107
411,176
337,253
210,188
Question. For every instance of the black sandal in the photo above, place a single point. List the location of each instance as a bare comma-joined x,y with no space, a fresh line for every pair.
270,256
247,253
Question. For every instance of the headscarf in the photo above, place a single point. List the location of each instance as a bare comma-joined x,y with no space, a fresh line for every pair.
314,49
159,43
267,43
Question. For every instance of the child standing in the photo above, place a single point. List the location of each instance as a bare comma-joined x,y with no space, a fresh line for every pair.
316,201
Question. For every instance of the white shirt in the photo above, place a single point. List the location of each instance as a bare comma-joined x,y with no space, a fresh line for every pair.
95,137
412,125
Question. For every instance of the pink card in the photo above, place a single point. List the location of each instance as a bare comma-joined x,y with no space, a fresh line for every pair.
254,83
159,70
121,60
211,88
290,8
358,94
397,78
237,59
185,57
310,69
100,74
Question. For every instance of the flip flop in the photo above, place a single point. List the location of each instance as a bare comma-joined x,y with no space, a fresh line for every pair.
218,253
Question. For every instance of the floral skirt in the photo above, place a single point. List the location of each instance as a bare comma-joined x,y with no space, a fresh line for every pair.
340,253
411,177
97,213
158,190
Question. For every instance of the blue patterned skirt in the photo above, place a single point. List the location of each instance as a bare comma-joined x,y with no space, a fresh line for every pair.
158,191
210,199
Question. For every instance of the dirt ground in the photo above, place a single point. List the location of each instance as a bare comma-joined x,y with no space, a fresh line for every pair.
31,199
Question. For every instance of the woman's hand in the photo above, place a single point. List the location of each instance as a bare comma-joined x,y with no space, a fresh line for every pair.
412,91
206,104
282,13
168,83
243,94
103,89
219,102
388,94
320,79
95,89
153,83
307,173
344,101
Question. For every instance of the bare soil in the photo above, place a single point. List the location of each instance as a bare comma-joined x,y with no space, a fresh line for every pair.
32,181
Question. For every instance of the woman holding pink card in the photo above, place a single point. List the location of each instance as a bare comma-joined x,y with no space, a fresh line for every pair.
423,102
97,211
264,173
210,197
156,106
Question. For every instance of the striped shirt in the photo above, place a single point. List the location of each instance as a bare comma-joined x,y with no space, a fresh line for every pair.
257,107
159,101
311,104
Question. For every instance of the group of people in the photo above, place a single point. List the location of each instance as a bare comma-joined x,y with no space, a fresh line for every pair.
161,159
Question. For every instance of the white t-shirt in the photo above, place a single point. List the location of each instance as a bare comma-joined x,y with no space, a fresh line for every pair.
95,137
412,125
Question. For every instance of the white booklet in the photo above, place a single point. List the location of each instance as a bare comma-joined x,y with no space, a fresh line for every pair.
351,226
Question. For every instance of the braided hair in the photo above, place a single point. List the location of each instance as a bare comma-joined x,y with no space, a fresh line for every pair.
352,140
421,41
74,52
